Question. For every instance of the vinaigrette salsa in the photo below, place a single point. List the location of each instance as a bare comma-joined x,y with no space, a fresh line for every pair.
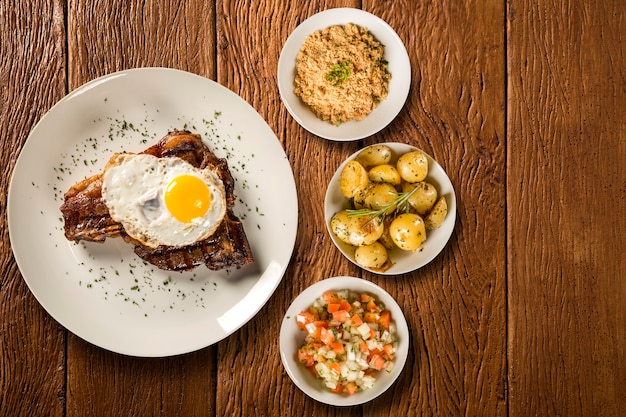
350,338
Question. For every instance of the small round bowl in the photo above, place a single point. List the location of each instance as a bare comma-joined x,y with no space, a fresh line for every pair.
292,337
395,54
436,240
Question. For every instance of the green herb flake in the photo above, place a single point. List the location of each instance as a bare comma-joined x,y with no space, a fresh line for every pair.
339,73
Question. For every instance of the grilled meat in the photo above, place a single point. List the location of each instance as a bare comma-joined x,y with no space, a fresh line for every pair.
86,216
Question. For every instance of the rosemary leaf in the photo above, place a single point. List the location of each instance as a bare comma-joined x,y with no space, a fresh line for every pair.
400,202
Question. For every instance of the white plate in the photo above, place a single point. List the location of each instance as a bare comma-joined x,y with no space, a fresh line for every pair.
292,337
399,67
435,239
103,292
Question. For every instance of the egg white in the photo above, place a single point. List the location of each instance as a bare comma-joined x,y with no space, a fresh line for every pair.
133,188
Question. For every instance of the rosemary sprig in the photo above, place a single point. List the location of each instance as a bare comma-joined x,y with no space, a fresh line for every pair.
400,202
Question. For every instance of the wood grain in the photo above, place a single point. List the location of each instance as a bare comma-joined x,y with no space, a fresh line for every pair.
523,104
32,79
113,36
567,113
455,112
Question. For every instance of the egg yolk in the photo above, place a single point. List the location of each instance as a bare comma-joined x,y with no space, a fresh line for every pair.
187,197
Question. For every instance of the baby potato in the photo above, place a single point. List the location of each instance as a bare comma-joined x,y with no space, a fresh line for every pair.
413,166
381,195
358,201
352,179
384,173
371,256
408,231
434,219
374,155
356,230
423,199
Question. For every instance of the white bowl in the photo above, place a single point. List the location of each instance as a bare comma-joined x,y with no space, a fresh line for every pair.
292,337
395,54
436,240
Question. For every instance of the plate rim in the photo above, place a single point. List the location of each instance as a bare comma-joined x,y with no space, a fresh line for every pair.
13,197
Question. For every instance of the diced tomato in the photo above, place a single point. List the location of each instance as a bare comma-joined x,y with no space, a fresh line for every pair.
356,320
351,388
303,319
356,315
372,306
388,351
338,389
333,307
377,362
305,358
385,319
340,315
375,352
331,298
326,336
338,347
321,323
370,317
317,333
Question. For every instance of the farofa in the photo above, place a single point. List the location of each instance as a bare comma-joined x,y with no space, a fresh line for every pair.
341,73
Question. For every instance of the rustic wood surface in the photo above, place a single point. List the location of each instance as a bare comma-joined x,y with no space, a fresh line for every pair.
523,104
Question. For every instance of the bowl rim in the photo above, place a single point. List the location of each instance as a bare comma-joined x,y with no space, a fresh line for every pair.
399,67
290,333
335,201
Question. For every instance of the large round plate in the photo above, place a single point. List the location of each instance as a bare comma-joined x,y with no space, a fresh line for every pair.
436,240
291,338
104,293
399,67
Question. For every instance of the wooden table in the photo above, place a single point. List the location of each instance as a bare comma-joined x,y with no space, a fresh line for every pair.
522,102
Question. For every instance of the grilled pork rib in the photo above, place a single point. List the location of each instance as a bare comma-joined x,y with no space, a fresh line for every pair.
86,216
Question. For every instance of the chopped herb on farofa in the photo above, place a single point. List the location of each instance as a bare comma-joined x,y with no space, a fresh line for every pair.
341,73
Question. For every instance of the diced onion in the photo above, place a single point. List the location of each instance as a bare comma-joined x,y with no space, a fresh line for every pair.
342,353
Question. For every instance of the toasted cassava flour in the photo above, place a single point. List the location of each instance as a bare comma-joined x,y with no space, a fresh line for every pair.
341,73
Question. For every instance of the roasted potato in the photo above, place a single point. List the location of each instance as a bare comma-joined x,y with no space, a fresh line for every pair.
413,166
436,216
374,155
353,178
356,230
408,231
371,256
358,201
384,173
423,199
377,180
380,195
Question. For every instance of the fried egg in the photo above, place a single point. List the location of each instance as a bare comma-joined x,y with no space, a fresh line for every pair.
163,201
